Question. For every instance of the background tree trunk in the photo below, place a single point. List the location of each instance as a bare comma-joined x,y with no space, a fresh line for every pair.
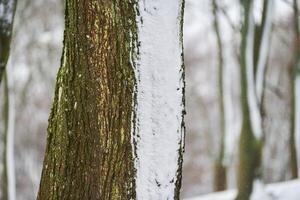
253,62
7,12
4,177
103,135
220,177
8,187
7,180
294,99
248,142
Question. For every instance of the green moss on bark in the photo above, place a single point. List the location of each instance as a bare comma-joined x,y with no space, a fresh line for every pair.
89,153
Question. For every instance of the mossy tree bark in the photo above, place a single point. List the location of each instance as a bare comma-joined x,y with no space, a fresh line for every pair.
220,176
89,153
92,140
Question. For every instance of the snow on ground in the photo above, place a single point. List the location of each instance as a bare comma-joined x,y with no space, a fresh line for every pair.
276,191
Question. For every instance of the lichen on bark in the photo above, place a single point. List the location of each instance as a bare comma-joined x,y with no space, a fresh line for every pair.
89,153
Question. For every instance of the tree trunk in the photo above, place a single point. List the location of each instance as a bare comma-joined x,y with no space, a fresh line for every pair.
8,190
248,142
260,57
7,13
7,180
4,177
220,176
253,62
295,74
116,126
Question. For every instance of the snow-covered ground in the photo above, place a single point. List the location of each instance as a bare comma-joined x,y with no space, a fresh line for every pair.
277,191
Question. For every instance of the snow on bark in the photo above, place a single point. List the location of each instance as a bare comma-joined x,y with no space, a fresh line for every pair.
232,117
263,52
10,142
6,15
158,132
251,95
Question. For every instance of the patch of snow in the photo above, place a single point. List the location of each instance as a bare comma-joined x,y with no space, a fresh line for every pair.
158,132
277,191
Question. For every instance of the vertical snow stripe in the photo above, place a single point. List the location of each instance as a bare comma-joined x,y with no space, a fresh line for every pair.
159,107
10,141
232,126
264,49
251,96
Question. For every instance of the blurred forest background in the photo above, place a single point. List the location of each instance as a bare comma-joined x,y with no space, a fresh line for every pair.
35,58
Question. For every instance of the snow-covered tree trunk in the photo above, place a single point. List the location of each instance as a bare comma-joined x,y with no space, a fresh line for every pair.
247,139
116,127
8,187
7,12
253,61
220,176
7,178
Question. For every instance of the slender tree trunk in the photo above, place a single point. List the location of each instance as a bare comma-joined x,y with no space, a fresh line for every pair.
7,13
253,62
116,126
8,173
248,142
7,180
261,54
294,100
4,177
220,177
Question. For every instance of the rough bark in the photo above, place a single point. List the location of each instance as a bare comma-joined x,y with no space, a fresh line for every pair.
89,153
92,139
220,176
